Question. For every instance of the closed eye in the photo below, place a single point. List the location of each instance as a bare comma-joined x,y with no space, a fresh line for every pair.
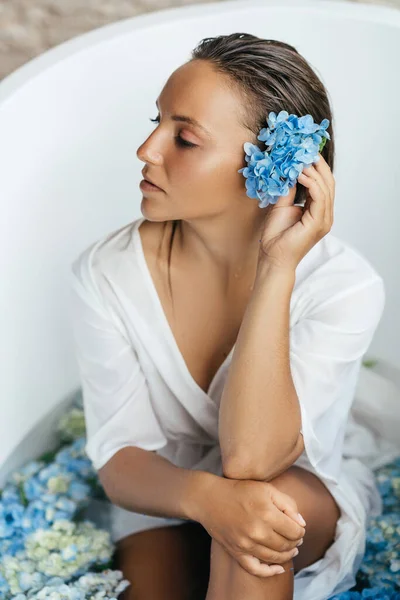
180,141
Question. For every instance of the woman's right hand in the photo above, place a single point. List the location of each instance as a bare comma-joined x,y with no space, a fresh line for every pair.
254,521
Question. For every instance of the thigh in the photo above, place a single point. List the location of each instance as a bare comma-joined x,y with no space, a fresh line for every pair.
319,509
165,563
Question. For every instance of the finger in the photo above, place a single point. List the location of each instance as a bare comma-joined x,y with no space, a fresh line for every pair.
322,167
324,200
275,541
316,204
268,555
253,566
286,526
314,174
285,504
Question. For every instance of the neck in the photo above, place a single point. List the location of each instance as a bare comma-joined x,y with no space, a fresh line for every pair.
228,245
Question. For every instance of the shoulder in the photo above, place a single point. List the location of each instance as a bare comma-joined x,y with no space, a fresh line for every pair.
110,252
104,254
335,272
333,255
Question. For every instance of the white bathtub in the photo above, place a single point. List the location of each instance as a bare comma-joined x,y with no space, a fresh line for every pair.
71,121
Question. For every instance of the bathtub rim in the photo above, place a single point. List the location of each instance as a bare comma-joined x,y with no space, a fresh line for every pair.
378,14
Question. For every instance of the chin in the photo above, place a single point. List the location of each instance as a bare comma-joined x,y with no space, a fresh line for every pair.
153,211
150,211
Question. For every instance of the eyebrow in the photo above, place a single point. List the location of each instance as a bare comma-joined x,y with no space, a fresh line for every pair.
189,120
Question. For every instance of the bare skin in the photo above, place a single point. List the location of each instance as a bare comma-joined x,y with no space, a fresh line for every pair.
189,564
182,562
213,267
201,185
205,341
168,563
229,581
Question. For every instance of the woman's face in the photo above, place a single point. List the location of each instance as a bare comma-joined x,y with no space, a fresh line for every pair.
196,165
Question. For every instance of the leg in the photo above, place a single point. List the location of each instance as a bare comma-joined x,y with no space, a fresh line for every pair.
165,563
319,509
229,581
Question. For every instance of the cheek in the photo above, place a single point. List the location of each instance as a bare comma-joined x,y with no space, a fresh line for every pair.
204,174
209,170
194,170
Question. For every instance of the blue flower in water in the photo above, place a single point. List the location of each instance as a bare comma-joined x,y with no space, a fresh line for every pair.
33,488
73,459
10,494
37,535
11,514
35,517
368,593
27,581
12,546
69,553
79,491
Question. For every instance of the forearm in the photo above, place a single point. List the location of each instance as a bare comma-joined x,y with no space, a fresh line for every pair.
144,482
259,417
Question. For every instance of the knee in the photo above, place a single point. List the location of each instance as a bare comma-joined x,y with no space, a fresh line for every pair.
286,481
314,502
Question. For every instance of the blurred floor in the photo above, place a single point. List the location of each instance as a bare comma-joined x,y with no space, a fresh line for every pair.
29,27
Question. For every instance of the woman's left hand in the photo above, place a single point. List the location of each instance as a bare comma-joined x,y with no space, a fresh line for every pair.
290,231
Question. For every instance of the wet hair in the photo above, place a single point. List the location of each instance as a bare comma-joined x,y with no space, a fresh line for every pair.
268,75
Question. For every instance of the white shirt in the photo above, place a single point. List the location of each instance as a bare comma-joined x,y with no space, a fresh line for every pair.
138,391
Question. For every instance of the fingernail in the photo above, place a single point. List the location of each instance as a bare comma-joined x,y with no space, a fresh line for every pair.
295,552
302,521
281,570
300,542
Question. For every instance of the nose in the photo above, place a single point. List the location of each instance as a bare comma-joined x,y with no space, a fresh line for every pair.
146,154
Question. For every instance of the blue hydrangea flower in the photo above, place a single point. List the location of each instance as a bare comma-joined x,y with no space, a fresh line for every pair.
292,143
107,585
11,514
46,550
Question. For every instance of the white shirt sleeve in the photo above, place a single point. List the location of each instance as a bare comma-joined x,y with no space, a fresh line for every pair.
117,406
326,350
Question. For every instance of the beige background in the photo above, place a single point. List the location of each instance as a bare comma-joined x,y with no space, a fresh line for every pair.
29,27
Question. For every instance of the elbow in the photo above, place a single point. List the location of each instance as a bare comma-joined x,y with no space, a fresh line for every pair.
238,469
263,469
245,469
109,477
104,477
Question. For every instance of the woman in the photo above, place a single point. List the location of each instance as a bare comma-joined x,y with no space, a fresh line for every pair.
218,371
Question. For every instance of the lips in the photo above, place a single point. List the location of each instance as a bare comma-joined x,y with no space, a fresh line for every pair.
150,181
